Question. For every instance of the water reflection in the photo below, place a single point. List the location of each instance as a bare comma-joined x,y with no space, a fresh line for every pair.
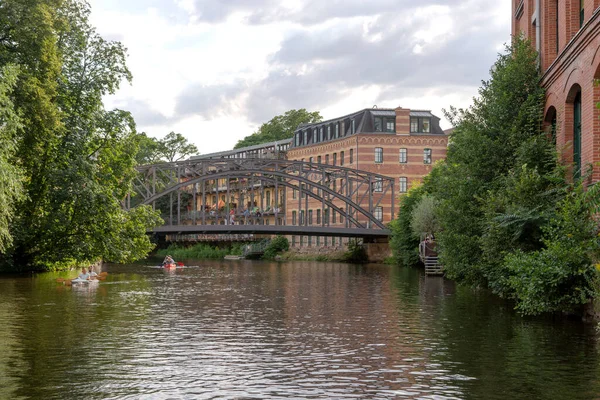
240,329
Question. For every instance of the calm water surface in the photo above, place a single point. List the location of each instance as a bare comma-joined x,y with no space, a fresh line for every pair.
253,330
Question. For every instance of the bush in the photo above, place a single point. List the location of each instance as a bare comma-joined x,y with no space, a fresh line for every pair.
198,252
278,245
403,241
356,253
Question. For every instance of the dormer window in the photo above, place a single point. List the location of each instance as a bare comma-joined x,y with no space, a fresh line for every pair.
420,125
384,124
337,130
328,132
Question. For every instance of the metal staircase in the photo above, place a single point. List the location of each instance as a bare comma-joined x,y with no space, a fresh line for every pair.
432,267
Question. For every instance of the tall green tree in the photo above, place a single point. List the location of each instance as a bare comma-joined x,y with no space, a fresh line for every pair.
175,147
280,127
11,179
78,158
509,219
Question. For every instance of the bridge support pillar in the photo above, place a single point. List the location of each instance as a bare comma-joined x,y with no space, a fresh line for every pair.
377,252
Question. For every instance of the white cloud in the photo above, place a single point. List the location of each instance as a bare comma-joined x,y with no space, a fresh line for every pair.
215,70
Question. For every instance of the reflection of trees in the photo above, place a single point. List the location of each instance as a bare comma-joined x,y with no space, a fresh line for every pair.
10,360
60,329
481,337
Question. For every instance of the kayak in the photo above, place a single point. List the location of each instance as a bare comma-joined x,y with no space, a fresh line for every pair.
170,265
83,281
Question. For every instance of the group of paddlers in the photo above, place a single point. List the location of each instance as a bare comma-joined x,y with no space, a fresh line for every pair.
86,275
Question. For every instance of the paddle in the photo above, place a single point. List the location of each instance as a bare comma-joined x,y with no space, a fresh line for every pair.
179,264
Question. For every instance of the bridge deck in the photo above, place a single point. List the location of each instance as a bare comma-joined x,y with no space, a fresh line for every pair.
275,230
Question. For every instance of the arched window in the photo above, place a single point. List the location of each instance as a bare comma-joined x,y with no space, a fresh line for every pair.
577,135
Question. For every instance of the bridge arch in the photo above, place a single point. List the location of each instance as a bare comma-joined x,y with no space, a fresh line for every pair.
310,179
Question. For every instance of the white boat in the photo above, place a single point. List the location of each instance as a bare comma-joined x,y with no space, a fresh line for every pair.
79,281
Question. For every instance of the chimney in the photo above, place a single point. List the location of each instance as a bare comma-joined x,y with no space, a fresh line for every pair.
402,121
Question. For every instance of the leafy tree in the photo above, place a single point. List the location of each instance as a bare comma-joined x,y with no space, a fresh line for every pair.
280,127
11,183
148,150
78,158
175,147
509,219
423,217
484,147
403,242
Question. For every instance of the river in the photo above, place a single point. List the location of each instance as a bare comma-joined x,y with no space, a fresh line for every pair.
301,330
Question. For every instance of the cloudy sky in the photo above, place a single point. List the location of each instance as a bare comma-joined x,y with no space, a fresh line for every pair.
214,70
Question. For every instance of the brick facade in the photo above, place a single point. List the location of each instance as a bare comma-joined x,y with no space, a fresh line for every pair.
570,60
358,151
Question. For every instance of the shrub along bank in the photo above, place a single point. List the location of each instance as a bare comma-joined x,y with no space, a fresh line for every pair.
508,215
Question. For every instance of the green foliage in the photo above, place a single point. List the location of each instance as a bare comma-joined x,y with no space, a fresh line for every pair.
403,242
77,158
356,253
423,217
280,127
508,218
276,246
560,276
175,147
11,179
200,251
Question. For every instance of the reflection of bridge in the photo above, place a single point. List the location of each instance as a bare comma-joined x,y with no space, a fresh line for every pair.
266,196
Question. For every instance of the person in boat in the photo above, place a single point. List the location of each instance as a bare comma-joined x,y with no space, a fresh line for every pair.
168,260
92,273
84,275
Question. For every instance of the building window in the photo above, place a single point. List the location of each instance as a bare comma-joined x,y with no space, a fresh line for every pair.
378,185
293,217
302,190
318,217
382,124
353,126
378,213
301,217
333,216
294,194
341,158
420,125
319,159
403,185
577,135
326,216
310,215
427,156
581,13
337,130
327,159
334,158
403,156
268,199
293,241
351,156
329,133
378,155
305,137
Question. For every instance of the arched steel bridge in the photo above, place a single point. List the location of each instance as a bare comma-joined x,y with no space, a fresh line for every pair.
232,196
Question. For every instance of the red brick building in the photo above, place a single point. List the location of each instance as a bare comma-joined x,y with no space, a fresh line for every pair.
566,34
398,143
